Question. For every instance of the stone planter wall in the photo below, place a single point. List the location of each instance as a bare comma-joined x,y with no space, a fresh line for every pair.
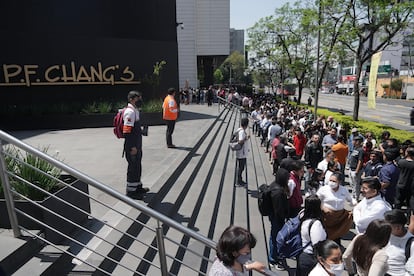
71,121
70,195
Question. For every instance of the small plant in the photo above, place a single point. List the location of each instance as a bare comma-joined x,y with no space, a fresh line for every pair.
34,170
100,107
154,105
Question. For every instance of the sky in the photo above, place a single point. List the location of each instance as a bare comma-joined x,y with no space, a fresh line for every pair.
245,13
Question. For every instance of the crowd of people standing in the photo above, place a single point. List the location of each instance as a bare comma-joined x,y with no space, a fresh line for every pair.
315,156
380,176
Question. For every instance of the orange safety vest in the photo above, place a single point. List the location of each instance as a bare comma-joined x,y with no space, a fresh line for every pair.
169,107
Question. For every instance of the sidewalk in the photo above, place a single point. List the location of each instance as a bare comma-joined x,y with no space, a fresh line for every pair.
98,153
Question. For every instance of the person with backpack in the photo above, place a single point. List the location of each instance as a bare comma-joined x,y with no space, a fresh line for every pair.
401,243
295,196
311,232
133,146
279,192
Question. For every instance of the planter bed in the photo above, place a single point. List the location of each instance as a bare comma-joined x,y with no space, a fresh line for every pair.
74,215
74,121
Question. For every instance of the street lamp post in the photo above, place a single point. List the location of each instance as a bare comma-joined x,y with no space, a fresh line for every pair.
230,76
317,60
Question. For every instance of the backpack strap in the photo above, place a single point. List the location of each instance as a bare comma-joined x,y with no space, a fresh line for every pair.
408,247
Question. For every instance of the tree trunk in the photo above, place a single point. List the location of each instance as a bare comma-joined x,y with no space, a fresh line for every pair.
356,90
300,87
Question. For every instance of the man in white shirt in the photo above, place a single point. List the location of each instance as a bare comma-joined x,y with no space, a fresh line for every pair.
372,206
241,154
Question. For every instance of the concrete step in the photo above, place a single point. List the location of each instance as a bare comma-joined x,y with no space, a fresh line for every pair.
156,187
15,252
41,261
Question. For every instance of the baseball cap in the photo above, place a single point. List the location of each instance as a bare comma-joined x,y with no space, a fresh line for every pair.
354,130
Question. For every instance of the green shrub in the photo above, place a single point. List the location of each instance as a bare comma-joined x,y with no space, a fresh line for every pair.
154,105
364,126
101,107
34,170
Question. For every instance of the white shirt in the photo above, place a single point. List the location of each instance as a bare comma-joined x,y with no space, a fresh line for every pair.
367,210
274,130
318,270
323,165
291,186
131,115
242,153
317,234
334,200
396,254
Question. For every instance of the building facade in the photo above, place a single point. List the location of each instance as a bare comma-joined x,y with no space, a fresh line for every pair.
203,39
237,41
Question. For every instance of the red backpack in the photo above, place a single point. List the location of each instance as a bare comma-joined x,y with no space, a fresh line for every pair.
118,124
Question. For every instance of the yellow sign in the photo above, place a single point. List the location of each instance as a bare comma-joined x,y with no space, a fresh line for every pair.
61,74
372,86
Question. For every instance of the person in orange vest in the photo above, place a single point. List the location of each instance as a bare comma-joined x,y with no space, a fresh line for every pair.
170,114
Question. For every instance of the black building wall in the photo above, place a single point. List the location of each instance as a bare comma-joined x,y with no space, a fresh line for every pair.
82,51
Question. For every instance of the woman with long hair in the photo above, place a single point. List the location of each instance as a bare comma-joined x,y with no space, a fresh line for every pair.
317,180
312,232
368,250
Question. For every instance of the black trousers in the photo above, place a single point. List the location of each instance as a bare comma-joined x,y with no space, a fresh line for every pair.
134,170
241,165
170,130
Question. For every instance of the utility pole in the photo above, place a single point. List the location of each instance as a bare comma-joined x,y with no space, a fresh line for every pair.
317,61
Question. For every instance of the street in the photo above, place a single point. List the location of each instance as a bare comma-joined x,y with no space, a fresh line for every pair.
391,112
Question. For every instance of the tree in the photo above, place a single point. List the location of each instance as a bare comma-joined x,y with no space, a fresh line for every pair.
371,26
263,52
233,65
296,29
284,43
218,76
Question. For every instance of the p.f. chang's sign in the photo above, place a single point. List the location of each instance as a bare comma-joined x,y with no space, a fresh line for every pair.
61,74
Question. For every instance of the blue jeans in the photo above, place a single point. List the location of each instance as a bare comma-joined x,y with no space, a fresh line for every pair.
276,225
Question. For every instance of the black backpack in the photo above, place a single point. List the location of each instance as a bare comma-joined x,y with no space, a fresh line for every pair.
264,200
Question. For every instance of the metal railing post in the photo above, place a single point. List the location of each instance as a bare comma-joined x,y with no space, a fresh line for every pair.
8,194
161,250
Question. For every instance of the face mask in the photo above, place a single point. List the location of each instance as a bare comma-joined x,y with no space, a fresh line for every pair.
332,184
138,103
242,259
336,269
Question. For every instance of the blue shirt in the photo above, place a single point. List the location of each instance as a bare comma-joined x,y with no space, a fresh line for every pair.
389,173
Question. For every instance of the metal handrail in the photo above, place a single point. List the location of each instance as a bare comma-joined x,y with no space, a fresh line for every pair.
159,217
107,189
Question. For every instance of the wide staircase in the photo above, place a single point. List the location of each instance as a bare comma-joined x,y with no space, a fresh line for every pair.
174,232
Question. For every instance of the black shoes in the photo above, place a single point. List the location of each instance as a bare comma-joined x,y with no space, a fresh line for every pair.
171,146
241,183
138,194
